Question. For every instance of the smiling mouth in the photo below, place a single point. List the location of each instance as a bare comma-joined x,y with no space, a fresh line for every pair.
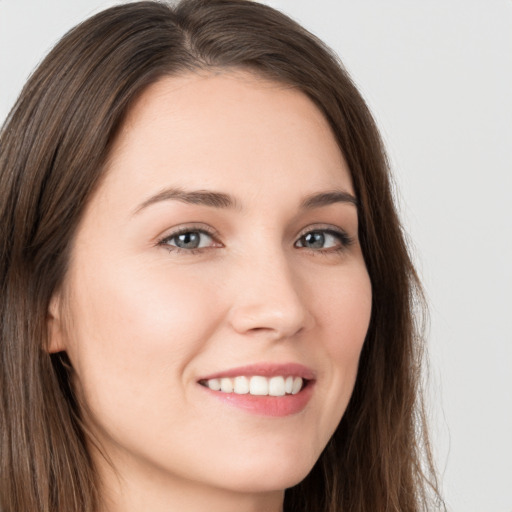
257,385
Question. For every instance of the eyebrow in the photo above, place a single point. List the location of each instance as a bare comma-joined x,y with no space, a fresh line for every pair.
225,201
327,198
201,197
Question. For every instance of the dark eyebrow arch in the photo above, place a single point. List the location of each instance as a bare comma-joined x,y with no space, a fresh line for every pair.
328,198
222,200
201,197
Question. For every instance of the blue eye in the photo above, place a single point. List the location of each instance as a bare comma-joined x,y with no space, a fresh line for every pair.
322,239
188,240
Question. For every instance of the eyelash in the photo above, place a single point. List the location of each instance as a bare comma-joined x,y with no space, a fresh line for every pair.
344,240
189,229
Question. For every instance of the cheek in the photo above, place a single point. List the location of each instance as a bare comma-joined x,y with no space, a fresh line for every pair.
134,331
349,325
347,309
346,317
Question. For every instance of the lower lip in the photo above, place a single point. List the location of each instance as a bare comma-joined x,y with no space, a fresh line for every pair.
275,406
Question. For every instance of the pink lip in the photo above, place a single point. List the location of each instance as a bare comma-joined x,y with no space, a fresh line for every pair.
273,406
265,370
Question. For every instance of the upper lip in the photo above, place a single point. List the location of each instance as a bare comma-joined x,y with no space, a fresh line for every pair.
265,370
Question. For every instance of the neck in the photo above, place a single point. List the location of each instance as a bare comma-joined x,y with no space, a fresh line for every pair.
131,489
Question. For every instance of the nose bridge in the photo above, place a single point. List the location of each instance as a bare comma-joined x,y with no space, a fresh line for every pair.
268,296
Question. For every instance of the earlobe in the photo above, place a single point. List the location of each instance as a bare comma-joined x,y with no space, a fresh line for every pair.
54,325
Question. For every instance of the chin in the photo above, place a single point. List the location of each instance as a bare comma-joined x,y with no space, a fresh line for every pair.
270,476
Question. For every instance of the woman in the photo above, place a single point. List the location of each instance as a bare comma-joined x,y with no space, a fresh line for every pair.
207,299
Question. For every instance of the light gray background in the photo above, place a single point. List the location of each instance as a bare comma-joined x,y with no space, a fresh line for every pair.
438,77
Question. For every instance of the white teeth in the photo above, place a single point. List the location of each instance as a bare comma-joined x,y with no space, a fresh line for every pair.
257,385
276,386
288,385
241,386
297,385
215,384
226,385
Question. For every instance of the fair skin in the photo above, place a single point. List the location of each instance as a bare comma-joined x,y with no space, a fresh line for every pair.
149,317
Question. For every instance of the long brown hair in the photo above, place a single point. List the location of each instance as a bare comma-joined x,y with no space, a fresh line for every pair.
53,148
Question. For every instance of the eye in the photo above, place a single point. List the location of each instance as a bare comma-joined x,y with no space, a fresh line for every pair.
188,240
324,240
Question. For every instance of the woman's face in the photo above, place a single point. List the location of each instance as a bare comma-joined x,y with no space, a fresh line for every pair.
221,249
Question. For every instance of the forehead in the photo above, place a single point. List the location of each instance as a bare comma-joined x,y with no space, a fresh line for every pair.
230,130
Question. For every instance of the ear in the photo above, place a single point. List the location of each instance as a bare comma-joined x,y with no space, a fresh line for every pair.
56,336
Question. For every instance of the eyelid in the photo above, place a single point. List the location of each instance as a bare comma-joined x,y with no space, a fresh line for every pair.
199,228
345,239
330,228
322,227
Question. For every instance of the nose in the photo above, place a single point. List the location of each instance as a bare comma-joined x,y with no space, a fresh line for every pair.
270,299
